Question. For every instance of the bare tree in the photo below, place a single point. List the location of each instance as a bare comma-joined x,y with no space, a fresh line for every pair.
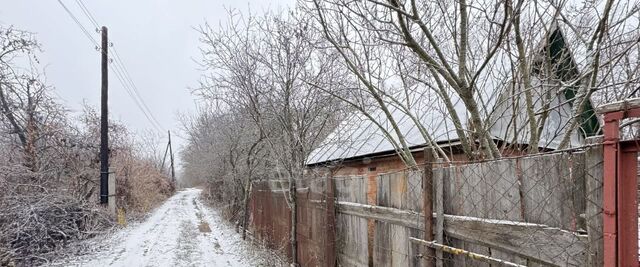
50,163
487,55
368,34
268,68
27,108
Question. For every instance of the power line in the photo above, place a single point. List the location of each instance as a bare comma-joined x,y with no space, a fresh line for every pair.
121,78
124,84
125,72
87,13
134,86
84,30
122,74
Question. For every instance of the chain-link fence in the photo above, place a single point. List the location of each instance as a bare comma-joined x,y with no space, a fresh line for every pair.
530,210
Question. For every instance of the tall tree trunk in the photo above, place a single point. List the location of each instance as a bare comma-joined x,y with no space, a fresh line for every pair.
534,136
485,137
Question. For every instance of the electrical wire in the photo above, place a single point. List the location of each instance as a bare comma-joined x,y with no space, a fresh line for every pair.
84,30
119,69
87,13
124,84
134,87
124,71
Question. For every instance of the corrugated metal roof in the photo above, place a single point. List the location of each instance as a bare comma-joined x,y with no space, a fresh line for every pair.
358,136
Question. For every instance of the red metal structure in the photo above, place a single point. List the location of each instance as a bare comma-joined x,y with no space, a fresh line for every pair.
620,207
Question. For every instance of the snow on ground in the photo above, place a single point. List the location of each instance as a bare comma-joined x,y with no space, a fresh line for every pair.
182,232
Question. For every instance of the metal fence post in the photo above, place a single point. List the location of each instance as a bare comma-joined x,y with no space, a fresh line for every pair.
620,214
610,231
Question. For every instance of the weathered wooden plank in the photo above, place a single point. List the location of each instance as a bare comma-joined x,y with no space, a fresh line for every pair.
414,203
503,198
533,241
566,183
382,241
382,244
579,200
594,174
400,246
547,188
385,214
553,190
352,238
400,191
316,219
438,179
399,235
474,192
414,249
538,242
475,256
330,216
453,205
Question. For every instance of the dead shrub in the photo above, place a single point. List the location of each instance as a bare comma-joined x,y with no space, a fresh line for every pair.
38,218
141,187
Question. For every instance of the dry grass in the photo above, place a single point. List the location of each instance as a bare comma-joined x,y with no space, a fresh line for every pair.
140,186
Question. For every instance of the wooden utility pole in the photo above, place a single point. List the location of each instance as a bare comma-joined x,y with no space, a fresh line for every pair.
173,173
104,122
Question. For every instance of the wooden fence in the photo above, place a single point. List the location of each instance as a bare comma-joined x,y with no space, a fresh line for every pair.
270,215
542,210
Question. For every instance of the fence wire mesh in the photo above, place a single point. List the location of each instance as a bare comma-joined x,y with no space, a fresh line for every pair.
532,210
543,209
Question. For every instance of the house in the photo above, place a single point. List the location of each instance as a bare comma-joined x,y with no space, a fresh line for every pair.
359,147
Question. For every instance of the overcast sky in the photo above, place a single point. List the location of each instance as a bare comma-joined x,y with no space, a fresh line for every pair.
154,38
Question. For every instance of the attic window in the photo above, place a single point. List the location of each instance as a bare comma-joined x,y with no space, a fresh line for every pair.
372,169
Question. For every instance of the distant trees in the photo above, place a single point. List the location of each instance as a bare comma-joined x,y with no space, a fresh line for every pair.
263,102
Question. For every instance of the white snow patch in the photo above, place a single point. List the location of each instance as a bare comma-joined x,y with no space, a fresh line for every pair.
177,234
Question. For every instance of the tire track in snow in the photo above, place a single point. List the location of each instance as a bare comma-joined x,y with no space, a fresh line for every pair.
181,232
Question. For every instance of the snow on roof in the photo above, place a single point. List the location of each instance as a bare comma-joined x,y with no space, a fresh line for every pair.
510,121
358,136
577,28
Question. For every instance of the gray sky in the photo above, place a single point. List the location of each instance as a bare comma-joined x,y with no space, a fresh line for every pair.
154,38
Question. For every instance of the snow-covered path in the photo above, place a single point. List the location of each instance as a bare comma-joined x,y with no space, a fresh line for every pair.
182,232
